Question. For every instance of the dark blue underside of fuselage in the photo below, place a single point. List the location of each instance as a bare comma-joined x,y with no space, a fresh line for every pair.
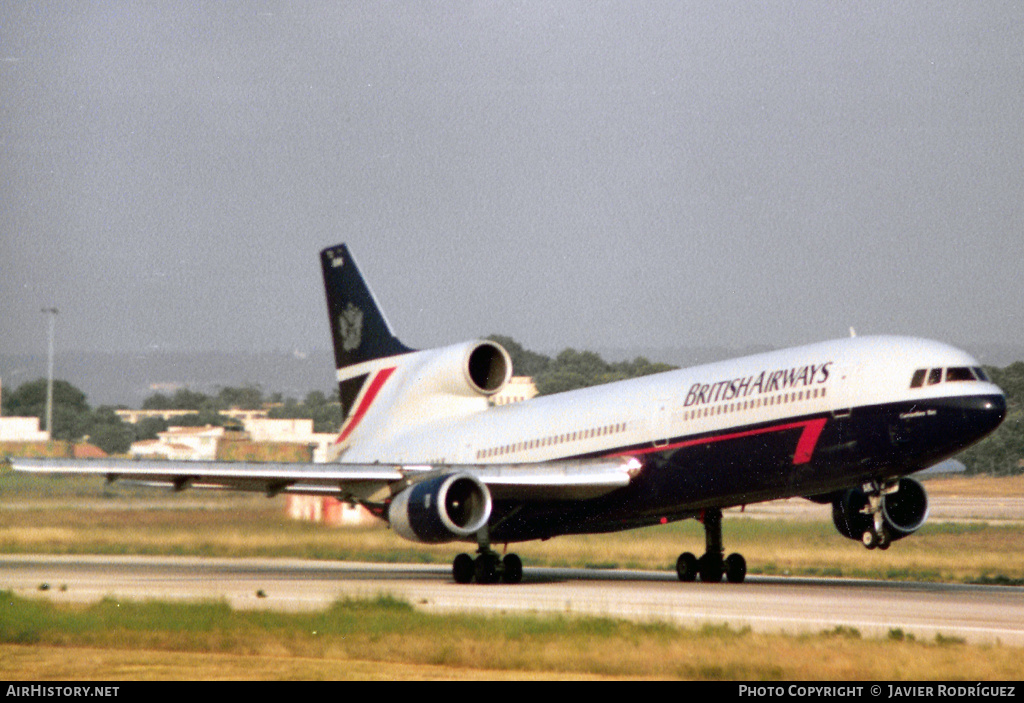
761,462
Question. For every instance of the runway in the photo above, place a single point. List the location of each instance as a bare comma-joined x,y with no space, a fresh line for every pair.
976,614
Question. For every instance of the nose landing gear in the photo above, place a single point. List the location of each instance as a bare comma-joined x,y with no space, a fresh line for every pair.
876,535
712,566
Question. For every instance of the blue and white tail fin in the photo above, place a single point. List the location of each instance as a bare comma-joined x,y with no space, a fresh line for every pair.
389,391
360,333
358,326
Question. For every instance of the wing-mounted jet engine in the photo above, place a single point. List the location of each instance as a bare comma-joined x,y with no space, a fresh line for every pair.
441,509
878,514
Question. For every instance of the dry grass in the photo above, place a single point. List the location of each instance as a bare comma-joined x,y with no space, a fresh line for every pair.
388,640
51,449
981,486
47,663
769,659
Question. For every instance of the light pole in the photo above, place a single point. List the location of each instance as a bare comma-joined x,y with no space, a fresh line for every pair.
52,312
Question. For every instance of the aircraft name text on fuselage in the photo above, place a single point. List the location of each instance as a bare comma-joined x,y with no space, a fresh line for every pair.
762,383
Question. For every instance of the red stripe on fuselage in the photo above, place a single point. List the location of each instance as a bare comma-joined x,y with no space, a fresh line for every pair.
368,398
808,441
804,446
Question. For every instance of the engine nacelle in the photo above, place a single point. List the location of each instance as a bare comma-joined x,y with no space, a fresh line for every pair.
441,509
469,369
488,368
903,511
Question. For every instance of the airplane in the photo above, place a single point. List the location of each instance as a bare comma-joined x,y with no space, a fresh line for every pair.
422,445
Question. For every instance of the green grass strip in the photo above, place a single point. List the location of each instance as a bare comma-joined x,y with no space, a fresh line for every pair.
391,631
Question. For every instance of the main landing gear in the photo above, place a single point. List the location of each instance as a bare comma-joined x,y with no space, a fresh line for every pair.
488,566
712,566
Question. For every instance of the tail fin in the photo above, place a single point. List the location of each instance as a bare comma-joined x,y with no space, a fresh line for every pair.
359,330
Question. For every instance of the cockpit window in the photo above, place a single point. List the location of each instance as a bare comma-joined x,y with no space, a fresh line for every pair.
953,374
959,373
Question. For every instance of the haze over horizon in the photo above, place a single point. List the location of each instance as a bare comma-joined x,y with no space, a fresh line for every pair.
594,175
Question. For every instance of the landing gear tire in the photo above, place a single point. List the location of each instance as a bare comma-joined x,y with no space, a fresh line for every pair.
513,569
488,567
711,568
686,567
463,569
735,568
872,539
486,570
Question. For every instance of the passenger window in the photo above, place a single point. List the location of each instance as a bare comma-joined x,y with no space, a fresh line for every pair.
918,380
959,373
935,376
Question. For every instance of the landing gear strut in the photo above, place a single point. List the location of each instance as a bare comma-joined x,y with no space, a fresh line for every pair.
712,566
488,566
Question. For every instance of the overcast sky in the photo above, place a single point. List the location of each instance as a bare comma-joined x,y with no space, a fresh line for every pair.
591,174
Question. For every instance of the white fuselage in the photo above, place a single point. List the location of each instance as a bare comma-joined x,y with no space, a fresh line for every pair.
649,413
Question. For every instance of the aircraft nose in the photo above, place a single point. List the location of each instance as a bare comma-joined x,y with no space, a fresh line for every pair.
985,413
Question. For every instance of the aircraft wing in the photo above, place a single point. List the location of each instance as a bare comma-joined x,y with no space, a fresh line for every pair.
560,480
556,480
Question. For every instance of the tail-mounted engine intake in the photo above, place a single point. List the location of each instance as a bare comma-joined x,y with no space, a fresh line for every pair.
488,367
470,369
877,515
441,509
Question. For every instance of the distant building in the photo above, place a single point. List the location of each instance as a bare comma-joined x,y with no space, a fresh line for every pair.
279,430
292,431
201,443
255,424
519,388
22,429
181,443
134,416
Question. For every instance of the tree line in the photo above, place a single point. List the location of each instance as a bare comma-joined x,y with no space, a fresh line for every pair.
1002,452
572,369
73,418
323,410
